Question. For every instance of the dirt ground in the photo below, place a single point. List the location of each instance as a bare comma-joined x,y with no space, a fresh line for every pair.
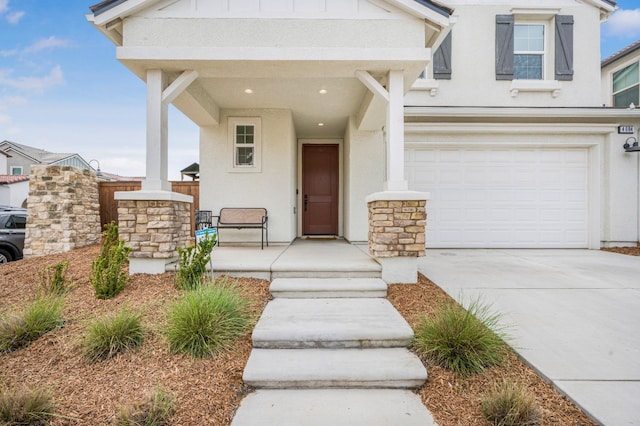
206,391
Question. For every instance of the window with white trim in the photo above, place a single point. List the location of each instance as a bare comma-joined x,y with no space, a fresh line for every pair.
529,51
626,86
16,170
245,138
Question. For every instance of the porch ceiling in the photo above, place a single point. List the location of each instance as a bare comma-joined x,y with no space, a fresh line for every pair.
291,82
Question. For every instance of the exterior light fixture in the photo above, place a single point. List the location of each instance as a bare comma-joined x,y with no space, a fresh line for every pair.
248,91
322,91
99,172
322,124
631,145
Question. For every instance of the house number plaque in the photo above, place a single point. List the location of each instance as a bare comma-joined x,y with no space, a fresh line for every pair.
625,130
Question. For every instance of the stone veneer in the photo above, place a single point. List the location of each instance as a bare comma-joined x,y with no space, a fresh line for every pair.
63,210
154,229
396,228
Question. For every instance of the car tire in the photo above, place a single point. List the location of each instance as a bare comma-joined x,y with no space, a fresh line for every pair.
5,256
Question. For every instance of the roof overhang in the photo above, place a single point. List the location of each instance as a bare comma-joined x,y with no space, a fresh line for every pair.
607,7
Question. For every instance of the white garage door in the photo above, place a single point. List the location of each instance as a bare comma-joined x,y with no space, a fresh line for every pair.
493,198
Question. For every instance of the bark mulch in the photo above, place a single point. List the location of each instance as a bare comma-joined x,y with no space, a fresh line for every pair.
206,391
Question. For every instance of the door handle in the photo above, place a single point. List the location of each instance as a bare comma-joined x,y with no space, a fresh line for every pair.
306,201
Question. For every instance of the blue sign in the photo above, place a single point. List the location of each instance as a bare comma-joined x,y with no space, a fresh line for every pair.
203,233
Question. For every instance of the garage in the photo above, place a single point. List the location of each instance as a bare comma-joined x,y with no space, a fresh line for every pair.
496,197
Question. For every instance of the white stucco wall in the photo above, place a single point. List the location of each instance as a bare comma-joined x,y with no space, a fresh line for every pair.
19,193
272,188
473,81
621,207
364,173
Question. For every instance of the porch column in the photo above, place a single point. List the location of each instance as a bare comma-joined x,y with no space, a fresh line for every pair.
395,133
157,138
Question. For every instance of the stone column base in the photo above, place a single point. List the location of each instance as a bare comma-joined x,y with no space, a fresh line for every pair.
154,224
397,222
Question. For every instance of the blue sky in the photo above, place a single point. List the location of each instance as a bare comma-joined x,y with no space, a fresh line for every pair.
61,88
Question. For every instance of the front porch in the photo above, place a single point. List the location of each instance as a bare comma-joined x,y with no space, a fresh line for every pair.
315,258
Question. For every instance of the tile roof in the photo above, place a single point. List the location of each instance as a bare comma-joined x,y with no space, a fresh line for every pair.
621,54
9,179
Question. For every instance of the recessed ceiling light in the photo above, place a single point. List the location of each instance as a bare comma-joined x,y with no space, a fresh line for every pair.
320,124
248,91
323,91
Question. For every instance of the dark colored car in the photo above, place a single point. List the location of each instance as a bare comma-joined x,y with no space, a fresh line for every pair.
13,222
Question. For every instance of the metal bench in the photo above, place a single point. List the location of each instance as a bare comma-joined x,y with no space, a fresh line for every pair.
236,218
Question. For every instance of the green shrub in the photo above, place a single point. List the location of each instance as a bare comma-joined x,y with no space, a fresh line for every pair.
21,406
37,319
193,263
154,411
510,404
107,337
465,341
207,320
53,279
108,276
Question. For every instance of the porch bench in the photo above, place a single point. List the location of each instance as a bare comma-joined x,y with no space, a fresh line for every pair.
244,218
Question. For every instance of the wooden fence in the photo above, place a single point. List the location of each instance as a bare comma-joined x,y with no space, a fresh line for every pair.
109,207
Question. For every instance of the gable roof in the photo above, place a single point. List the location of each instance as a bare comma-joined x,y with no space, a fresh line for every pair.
633,47
37,155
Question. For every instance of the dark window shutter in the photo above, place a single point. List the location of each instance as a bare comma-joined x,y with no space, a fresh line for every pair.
564,47
442,60
504,47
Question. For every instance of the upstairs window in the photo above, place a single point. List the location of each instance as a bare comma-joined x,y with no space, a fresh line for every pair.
16,170
528,50
244,134
626,87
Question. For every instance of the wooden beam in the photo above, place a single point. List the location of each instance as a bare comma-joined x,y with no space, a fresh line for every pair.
372,84
178,86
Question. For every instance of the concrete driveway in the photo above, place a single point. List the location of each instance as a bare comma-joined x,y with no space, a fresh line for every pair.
575,317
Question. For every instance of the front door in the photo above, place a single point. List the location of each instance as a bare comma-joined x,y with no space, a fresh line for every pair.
320,189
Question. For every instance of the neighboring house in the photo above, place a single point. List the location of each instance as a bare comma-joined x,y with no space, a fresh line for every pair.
22,157
307,107
14,190
621,78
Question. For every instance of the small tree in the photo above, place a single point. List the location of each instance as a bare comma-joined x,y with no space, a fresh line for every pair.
193,263
108,276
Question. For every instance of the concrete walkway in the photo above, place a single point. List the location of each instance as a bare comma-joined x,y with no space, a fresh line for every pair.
575,317
302,258
323,359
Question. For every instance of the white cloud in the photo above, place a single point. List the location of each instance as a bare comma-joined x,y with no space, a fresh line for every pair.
46,43
624,23
33,84
7,53
4,6
14,17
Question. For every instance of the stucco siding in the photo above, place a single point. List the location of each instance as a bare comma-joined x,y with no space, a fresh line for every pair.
245,33
273,188
365,174
473,81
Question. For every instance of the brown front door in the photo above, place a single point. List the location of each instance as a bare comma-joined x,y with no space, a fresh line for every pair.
320,189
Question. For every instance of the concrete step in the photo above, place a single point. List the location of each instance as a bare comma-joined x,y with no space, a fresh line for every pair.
334,368
323,273
322,407
331,323
310,288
